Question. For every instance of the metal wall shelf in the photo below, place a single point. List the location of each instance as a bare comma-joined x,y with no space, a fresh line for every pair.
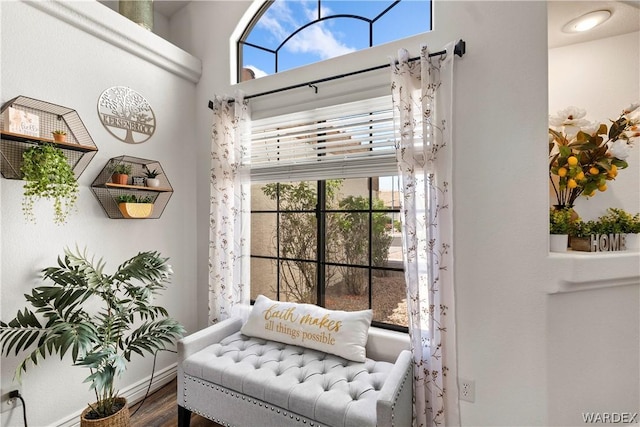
107,192
79,148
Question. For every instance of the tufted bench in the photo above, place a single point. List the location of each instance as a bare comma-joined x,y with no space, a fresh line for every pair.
236,380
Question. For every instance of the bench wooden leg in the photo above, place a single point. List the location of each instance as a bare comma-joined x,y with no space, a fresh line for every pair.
184,417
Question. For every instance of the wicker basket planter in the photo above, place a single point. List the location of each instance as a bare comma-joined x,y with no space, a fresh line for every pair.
119,419
136,210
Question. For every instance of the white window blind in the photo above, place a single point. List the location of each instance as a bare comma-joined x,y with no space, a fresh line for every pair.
341,141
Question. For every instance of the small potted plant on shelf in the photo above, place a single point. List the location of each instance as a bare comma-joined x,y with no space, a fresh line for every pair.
120,173
152,180
559,223
59,135
48,175
627,224
581,232
102,336
135,207
602,235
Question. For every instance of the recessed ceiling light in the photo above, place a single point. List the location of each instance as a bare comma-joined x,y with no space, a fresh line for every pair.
587,21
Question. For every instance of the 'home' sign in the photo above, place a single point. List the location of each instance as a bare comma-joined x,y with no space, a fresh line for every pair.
600,243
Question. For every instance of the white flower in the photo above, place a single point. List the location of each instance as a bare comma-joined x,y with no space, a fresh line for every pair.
619,149
591,128
632,134
571,119
570,116
631,108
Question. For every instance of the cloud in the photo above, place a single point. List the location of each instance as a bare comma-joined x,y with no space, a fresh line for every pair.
278,20
281,21
319,41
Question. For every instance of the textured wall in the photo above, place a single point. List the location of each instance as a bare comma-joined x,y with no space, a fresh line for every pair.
46,58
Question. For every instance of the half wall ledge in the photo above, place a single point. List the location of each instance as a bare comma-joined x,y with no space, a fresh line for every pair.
100,21
586,271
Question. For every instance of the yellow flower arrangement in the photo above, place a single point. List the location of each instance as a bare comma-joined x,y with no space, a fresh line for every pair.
583,155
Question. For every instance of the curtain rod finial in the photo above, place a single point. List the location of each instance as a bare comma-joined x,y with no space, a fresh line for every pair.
461,48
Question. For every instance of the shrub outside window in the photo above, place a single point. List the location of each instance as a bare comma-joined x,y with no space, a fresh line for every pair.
335,243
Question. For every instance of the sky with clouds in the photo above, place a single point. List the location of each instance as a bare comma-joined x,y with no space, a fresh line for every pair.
331,37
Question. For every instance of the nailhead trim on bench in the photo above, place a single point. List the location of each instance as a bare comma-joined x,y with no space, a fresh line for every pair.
238,395
395,398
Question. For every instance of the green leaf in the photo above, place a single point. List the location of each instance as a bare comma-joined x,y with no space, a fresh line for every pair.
95,316
620,164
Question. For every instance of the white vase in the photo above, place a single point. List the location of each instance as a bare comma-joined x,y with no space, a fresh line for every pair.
153,182
632,241
558,242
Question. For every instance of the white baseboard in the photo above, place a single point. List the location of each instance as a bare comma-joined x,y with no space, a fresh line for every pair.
134,393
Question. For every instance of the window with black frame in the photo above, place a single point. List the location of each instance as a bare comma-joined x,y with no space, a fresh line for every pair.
335,243
286,34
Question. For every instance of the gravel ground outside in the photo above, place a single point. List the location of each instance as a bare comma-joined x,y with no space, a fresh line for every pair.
389,300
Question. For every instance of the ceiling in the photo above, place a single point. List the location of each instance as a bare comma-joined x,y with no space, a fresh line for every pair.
625,17
169,7
164,7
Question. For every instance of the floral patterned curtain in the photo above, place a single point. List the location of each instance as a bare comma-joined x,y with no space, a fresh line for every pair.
229,218
422,98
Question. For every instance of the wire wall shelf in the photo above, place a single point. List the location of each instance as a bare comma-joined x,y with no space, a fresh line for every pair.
39,120
108,192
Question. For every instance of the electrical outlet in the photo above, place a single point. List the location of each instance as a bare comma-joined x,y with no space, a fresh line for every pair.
467,390
7,403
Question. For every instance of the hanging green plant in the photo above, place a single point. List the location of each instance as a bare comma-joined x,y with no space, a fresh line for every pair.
48,175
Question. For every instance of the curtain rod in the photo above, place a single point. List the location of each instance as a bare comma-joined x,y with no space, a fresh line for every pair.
460,49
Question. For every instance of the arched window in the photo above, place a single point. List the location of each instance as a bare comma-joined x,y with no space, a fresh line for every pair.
286,34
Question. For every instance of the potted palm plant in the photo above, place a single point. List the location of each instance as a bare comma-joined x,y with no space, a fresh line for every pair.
100,337
48,175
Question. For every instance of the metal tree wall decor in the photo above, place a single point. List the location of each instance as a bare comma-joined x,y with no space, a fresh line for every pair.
126,115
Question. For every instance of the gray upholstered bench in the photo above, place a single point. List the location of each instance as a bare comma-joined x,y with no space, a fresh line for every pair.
236,380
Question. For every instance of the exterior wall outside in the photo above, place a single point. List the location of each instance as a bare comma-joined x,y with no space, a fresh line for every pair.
46,58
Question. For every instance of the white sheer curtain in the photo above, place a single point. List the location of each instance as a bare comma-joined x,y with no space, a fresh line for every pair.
422,100
229,216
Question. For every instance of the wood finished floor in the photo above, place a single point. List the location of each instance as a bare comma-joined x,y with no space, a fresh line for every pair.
161,410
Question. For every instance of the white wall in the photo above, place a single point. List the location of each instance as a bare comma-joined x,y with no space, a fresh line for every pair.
46,58
500,257
517,338
509,318
601,76
594,335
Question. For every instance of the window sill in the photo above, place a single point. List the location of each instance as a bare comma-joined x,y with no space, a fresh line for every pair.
107,25
580,271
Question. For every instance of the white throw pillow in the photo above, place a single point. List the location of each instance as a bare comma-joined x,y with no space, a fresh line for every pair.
343,333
